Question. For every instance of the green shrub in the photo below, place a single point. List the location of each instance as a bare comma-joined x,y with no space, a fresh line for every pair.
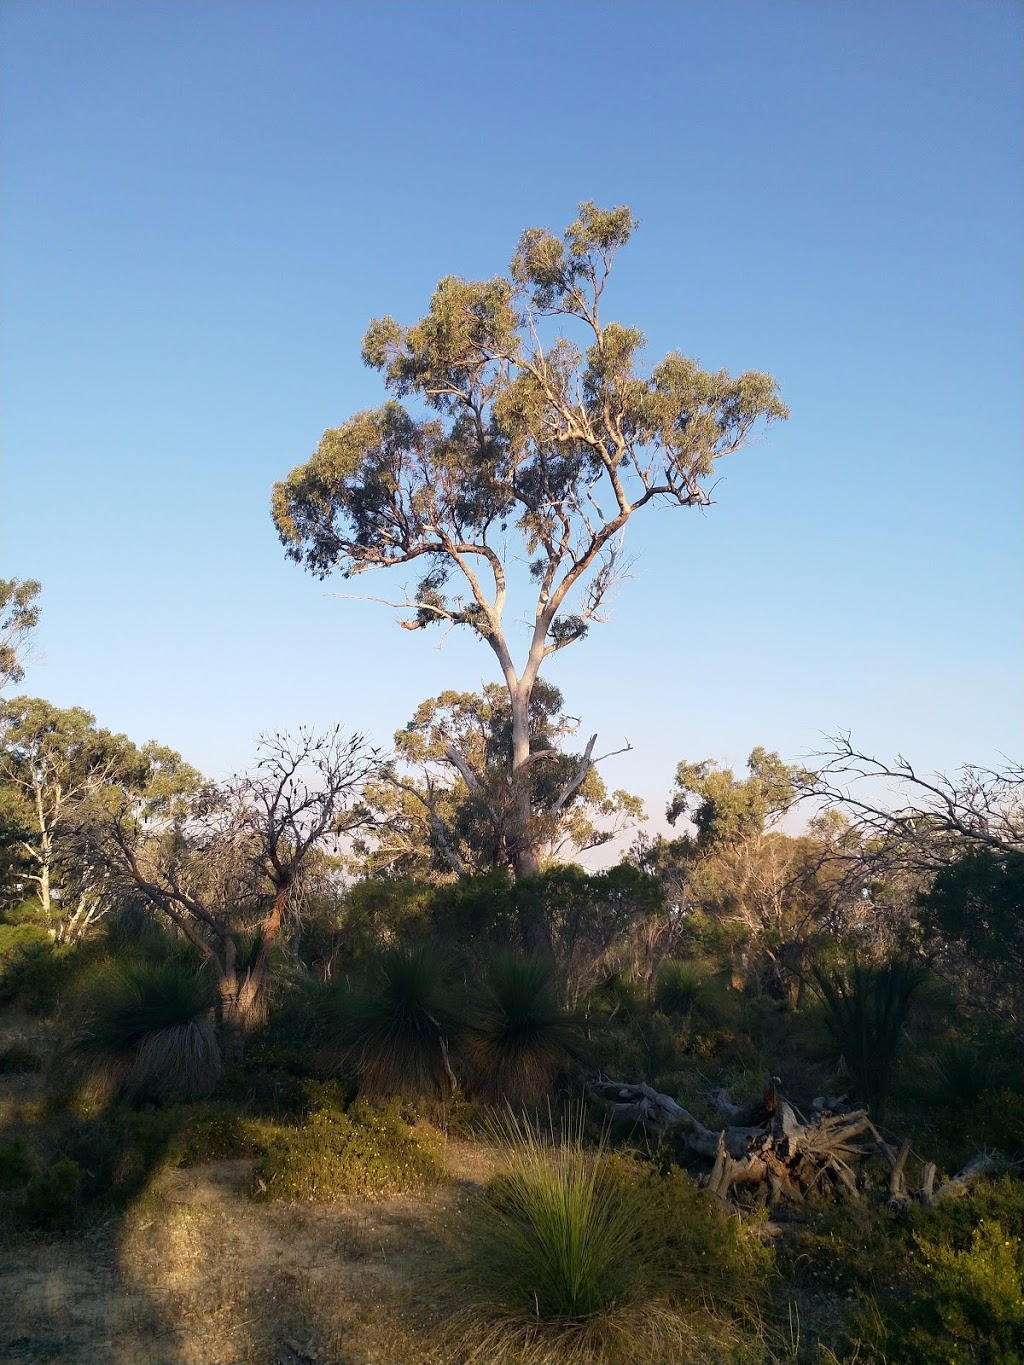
966,1305
394,1023
973,1309
15,937
364,1152
937,1285
39,975
19,1058
52,1197
998,1121
960,1072
148,1025
188,1135
303,1096
518,1036
16,1164
579,1256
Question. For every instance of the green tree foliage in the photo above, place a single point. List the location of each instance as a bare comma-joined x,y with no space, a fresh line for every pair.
977,904
770,898
523,442
19,616
726,810
60,777
444,807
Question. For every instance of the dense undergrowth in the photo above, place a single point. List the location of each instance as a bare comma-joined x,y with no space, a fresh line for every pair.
595,1245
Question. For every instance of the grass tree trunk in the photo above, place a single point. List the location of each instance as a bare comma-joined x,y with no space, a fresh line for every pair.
241,993
232,1021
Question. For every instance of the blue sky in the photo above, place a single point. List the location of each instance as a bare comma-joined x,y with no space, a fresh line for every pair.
203,204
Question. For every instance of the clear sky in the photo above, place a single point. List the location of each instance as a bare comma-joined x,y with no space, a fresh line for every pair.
203,204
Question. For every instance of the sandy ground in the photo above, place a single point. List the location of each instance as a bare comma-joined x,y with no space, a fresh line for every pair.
198,1274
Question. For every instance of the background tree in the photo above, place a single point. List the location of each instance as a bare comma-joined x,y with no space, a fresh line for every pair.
771,899
525,441
938,858
725,810
226,867
931,820
974,909
57,772
444,807
19,616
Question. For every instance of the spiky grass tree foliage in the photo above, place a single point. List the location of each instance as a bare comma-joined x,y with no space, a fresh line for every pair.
147,1028
680,986
578,1257
394,1024
960,1072
518,1036
866,1007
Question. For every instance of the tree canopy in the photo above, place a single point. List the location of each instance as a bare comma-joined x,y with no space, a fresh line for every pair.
443,808
19,616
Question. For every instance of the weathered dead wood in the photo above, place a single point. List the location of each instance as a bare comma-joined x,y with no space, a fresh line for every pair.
928,1183
787,1156
898,1195
661,1113
982,1164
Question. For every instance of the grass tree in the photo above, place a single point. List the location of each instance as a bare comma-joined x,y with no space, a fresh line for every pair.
148,1027
394,1023
574,1256
518,1036
866,1007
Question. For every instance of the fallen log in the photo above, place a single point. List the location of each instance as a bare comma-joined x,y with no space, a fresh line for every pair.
786,1157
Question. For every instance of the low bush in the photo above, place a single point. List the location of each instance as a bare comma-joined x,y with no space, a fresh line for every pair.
367,1152
960,1071
970,1306
16,1164
15,937
925,1286
52,1197
39,975
188,1135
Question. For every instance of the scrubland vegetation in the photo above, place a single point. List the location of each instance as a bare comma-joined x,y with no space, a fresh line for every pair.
412,1073
349,1060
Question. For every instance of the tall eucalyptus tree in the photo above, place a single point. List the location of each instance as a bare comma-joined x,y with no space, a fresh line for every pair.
522,442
